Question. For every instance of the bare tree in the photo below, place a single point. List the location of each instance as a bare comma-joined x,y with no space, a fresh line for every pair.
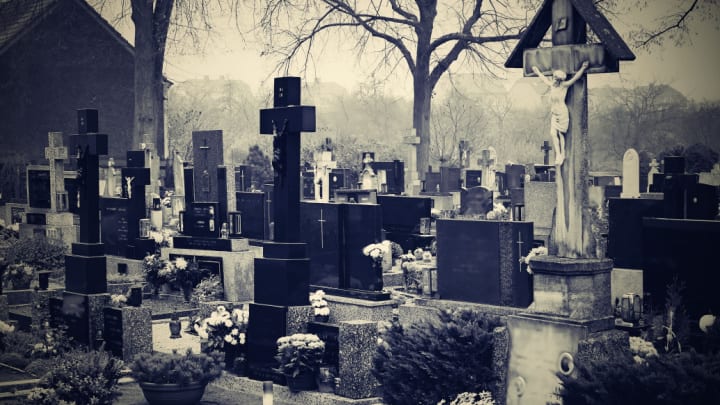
408,31
456,118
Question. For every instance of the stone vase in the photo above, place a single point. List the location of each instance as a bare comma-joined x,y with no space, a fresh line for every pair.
175,394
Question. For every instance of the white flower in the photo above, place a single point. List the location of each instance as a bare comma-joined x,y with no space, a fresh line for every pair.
5,328
235,332
156,236
181,263
241,338
228,338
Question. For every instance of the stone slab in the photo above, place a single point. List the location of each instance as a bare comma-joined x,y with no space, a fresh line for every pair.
357,341
128,331
346,309
539,207
237,270
215,244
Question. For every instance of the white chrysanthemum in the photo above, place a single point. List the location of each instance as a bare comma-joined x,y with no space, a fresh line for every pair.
181,263
234,332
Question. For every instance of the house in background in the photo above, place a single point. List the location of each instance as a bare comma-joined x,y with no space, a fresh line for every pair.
57,56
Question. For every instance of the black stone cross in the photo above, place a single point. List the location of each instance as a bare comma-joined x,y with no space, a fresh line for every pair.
88,145
285,122
546,148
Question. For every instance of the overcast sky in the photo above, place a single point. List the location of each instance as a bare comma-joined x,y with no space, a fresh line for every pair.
693,69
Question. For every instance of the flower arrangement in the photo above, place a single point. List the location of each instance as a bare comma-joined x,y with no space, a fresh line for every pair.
157,270
223,328
641,349
20,275
396,249
472,398
208,289
175,368
118,300
499,212
375,252
537,251
318,303
301,352
162,238
187,274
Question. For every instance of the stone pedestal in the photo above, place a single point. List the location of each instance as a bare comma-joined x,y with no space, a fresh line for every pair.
357,341
571,308
128,331
346,309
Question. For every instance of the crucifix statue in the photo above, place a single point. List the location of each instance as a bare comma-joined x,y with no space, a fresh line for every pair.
285,121
128,182
570,54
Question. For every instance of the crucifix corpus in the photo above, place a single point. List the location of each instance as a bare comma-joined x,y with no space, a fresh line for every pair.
570,56
285,121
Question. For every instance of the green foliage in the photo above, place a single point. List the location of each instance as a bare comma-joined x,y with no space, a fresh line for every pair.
208,289
676,378
41,253
436,359
261,168
175,368
84,377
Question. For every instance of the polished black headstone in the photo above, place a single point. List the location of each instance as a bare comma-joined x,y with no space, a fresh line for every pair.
432,182
514,176
76,315
449,179
207,156
338,180
189,185
243,177
479,261
209,264
322,231
85,274
282,281
87,120
473,178
135,158
268,324
38,182
308,185
625,229
686,250
114,225
253,209
402,214
394,175
201,219
362,225
113,330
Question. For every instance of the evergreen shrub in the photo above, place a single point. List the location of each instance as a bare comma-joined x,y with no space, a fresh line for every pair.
436,359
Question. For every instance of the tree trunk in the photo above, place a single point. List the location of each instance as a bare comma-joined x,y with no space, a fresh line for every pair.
146,112
422,91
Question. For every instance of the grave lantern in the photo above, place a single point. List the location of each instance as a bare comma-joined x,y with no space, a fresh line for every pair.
145,228
61,200
235,223
631,308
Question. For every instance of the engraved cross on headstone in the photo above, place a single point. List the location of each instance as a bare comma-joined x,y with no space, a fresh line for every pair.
546,148
205,183
285,121
322,233
89,145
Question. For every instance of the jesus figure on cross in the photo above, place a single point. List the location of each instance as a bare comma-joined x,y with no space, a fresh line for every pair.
560,119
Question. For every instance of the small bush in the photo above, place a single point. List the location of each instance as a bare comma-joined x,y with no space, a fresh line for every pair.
675,378
83,377
40,253
175,368
436,360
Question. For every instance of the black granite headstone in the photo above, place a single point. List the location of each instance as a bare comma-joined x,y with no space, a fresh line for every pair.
449,179
362,225
36,218
432,182
188,174
200,219
207,156
625,233
394,175
402,214
135,158
114,228
479,261
308,185
322,231
76,316
243,177
269,323
338,180
514,176
38,182
253,210
473,178
113,330
684,249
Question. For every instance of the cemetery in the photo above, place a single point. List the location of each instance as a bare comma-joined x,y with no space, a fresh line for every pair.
326,272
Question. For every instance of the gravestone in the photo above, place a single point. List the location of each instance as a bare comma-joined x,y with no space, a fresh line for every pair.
391,176
514,176
38,186
473,178
631,174
114,226
253,209
625,229
281,276
449,179
324,165
476,201
654,170
308,184
368,178
207,156
243,177
401,220
339,179
432,182
479,261
487,164
127,331
85,268
546,148
135,179
412,173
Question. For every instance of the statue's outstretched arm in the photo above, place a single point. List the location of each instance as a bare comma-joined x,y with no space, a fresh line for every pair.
541,76
579,74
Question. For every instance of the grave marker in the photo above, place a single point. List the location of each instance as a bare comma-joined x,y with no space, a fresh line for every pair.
56,154
546,148
631,174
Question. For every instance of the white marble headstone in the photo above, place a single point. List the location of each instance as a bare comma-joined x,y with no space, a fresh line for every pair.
631,174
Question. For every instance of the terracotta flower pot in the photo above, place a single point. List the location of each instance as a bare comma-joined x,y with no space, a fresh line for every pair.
173,394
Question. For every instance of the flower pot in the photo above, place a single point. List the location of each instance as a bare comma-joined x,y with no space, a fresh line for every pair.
322,318
173,394
305,381
325,380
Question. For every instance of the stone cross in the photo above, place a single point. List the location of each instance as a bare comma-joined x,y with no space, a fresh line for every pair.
487,161
654,168
546,148
323,167
412,179
285,121
322,232
88,146
631,174
56,153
